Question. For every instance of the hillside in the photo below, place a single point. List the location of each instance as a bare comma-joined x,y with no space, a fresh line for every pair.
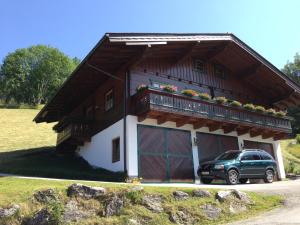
291,156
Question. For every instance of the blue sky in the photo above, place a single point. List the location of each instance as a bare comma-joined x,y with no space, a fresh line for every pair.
271,27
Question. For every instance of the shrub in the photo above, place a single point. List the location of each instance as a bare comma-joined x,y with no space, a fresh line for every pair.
141,88
190,93
204,96
280,113
170,88
249,106
221,100
298,138
271,111
235,104
260,108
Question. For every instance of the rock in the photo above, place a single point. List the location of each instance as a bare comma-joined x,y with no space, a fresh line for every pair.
10,211
235,208
181,217
223,195
180,195
242,196
42,217
87,192
45,196
137,188
153,203
73,214
201,193
113,206
211,212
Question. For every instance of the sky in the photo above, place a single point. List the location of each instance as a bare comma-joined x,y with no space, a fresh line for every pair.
271,27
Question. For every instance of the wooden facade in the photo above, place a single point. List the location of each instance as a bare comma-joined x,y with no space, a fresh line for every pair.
121,62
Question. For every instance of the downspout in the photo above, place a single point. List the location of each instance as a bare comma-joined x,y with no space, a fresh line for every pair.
125,96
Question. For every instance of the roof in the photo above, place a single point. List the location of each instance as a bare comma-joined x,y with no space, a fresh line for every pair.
115,50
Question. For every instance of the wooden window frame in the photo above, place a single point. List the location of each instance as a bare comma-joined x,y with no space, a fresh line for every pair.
223,73
111,105
116,152
196,69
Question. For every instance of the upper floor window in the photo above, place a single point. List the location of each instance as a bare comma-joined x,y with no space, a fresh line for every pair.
219,71
199,66
109,100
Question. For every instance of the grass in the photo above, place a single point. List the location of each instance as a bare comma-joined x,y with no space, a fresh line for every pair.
16,190
291,156
19,132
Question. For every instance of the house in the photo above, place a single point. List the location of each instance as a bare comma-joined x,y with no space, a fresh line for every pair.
133,104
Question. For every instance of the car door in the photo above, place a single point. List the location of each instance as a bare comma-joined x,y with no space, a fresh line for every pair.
251,165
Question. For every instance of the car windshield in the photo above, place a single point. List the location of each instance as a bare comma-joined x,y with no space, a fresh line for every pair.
228,155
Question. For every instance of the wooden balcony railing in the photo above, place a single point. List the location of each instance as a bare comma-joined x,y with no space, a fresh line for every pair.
76,131
157,100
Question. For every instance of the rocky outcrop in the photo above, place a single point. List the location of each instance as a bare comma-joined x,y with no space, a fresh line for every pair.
201,193
242,196
10,211
181,217
211,212
84,191
236,208
42,217
72,213
153,203
180,195
113,206
223,195
45,196
233,195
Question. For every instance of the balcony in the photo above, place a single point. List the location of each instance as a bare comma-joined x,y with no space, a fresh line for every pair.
163,106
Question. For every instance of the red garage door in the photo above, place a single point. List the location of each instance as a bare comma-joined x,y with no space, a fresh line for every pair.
165,155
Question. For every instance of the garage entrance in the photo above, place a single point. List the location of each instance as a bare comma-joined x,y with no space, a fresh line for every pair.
260,145
211,145
164,155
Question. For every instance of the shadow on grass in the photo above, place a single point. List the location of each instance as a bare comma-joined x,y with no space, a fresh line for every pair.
45,162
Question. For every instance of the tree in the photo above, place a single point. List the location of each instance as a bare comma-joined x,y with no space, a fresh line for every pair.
32,75
292,69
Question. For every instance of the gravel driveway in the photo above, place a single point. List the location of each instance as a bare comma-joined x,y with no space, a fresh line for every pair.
288,214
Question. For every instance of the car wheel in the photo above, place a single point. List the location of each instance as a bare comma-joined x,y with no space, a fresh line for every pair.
232,177
243,180
269,177
206,180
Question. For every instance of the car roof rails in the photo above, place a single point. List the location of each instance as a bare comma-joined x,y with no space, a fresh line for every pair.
252,150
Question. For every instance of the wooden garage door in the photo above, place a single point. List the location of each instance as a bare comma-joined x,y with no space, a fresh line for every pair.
165,155
211,145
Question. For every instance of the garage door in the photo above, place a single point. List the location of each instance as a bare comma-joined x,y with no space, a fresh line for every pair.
165,155
210,145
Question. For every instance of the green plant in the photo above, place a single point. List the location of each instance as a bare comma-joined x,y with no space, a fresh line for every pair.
221,100
170,88
134,196
56,210
249,106
141,88
298,138
235,104
271,111
204,96
260,108
280,114
190,93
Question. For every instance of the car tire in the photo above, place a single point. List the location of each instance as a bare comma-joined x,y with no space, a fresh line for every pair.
206,180
243,180
269,176
232,177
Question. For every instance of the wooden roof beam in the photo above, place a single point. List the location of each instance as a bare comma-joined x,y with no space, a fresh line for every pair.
229,128
268,134
255,132
187,53
182,122
142,117
162,119
199,124
279,136
250,71
241,131
217,51
214,126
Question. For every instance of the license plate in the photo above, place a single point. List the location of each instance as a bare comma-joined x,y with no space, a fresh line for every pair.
205,173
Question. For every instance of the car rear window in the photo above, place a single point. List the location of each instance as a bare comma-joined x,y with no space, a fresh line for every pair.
250,156
266,156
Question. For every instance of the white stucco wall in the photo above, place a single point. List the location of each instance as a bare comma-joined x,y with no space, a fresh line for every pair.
98,152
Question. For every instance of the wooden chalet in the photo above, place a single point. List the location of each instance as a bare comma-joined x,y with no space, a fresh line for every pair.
149,104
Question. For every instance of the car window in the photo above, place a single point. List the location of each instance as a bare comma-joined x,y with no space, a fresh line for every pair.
250,156
266,156
228,155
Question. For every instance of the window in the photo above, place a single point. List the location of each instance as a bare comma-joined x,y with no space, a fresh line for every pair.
265,156
199,66
219,71
109,100
250,156
116,150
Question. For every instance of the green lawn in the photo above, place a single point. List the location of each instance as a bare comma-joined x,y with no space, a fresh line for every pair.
16,190
291,156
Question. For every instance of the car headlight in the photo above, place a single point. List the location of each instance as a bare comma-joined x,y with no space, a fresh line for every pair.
219,167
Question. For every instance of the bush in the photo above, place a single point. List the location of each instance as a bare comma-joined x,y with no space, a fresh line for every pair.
170,88
235,104
221,100
249,106
280,114
298,138
204,96
271,111
260,109
190,93
141,88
